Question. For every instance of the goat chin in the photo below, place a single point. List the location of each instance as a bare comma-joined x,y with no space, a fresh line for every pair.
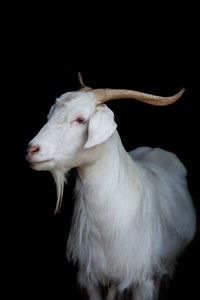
46,165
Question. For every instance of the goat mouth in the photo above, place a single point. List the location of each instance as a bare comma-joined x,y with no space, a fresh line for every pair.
40,161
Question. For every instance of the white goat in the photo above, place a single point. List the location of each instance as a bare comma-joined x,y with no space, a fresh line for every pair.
133,214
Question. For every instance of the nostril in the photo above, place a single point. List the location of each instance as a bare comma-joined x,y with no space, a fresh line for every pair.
32,149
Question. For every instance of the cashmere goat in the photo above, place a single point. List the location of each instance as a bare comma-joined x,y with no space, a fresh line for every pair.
133,213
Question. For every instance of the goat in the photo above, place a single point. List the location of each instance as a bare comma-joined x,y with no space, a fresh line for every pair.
133,213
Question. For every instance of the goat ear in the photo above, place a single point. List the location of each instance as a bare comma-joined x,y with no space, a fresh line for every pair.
101,126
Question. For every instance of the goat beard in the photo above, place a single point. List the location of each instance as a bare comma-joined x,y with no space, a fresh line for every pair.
60,178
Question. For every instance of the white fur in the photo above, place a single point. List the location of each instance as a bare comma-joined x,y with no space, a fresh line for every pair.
133,213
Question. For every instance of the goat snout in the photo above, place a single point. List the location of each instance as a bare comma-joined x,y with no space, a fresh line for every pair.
31,151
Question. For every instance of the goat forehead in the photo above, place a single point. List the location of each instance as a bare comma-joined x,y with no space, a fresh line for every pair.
77,98
73,102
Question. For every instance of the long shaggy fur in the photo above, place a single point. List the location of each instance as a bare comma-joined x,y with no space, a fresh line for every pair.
131,236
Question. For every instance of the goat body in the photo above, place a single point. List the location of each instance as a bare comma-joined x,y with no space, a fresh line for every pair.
129,227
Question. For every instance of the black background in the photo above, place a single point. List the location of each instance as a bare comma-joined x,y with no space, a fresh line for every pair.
154,54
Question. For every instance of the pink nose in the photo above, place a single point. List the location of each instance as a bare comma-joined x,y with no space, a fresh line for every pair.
32,150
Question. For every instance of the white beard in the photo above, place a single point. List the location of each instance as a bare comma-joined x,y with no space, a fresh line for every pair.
60,177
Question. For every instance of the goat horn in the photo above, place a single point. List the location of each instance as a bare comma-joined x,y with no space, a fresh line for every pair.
80,80
104,95
83,87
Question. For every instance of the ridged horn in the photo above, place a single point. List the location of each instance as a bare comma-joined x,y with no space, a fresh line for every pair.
104,95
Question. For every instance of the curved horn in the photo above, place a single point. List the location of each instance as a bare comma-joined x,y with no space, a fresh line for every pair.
104,95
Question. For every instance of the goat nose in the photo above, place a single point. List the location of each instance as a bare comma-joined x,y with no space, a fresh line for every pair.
32,149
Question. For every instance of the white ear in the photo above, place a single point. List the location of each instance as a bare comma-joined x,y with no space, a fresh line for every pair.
101,126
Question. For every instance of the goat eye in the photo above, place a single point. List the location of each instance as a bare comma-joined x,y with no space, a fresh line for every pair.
81,120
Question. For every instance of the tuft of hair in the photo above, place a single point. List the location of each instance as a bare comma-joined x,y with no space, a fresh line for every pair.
60,178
